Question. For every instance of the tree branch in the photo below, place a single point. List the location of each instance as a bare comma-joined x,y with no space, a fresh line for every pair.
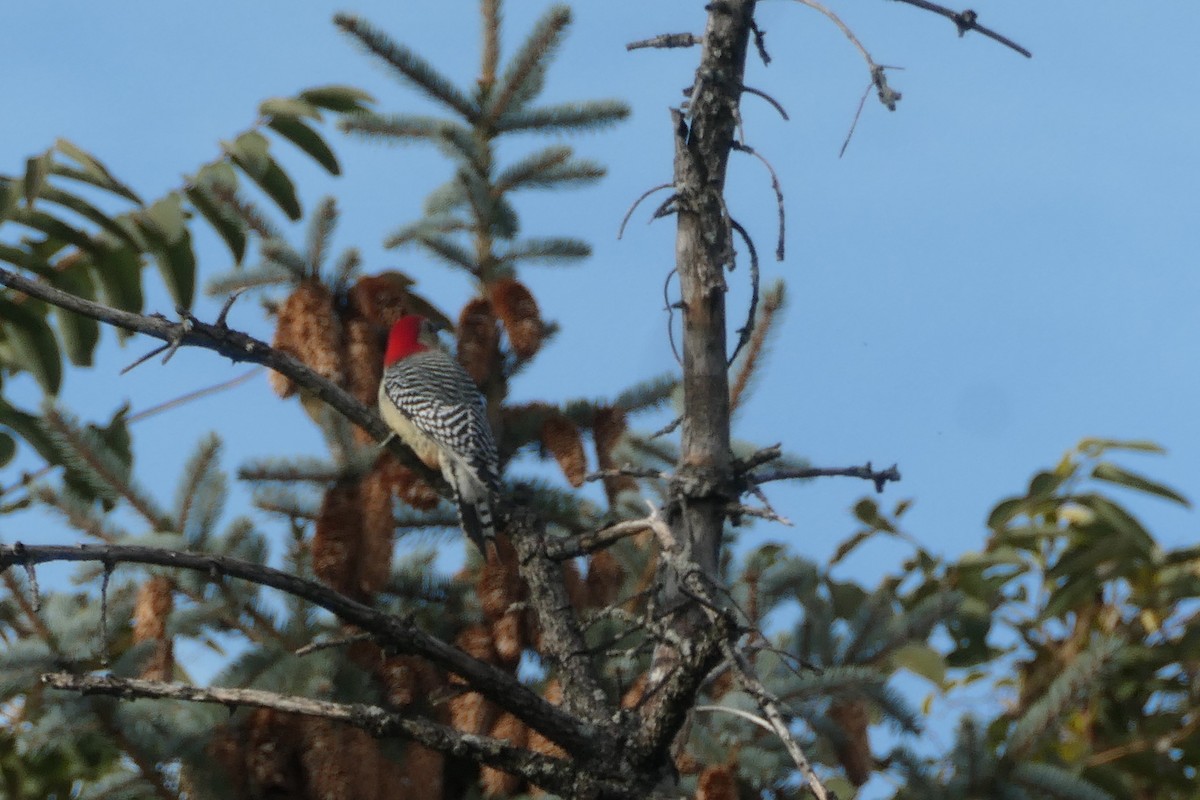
555,774
562,637
879,477
666,40
751,685
400,634
968,21
234,345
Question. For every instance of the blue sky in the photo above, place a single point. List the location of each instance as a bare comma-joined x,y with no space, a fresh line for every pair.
1003,266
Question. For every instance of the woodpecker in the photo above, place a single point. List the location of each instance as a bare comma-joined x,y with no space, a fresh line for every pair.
432,404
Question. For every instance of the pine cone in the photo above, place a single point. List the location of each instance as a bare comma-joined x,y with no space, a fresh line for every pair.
478,341
561,437
516,308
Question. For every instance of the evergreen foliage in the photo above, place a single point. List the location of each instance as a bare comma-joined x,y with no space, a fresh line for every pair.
1071,613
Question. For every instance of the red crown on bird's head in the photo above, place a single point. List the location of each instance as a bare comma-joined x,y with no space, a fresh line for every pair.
405,338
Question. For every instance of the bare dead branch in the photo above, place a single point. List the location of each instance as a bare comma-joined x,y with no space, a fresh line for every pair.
227,305
747,330
767,513
776,187
326,644
879,477
968,21
888,96
562,636
555,774
631,472
638,202
401,634
750,683
670,307
737,712
234,345
775,103
666,40
857,113
760,43
591,542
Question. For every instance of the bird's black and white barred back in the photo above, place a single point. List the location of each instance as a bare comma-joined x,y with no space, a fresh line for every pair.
432,403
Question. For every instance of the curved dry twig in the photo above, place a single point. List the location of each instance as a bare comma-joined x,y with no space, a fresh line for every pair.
638,202
888,96
747,330
774,103
777,187
670,309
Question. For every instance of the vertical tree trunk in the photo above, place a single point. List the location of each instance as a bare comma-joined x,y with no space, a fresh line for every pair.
703,248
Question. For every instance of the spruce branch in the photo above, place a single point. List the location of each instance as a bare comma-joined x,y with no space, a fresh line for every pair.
320,230
548,250
526,73
566,117
1061,693
490,11
92,460
755,334
547,169
408,64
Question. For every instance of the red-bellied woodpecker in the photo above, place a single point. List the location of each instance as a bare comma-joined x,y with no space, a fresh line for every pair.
430,401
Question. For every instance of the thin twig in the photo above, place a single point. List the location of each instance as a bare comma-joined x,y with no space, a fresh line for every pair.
776,186
104,613
760,42
747,330
888,96
638,202
229,301
739,509
143,359
666,40
750,683
183,399
583,544
879,477
630,472
670,309
857,113
665,429
760,93
737,712
325,644
968,21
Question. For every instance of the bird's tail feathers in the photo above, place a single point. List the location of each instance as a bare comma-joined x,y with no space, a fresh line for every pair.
476,520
